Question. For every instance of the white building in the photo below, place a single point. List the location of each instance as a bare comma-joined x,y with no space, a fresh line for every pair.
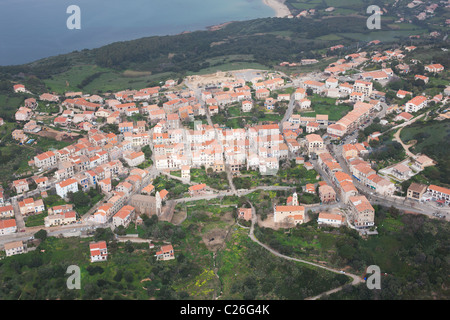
331,219
415,104
66,186
13,248
98,251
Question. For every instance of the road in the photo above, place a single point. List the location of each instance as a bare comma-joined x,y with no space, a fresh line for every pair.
374,198
289,111
20,223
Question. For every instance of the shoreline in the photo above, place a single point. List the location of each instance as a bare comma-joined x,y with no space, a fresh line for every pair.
281,10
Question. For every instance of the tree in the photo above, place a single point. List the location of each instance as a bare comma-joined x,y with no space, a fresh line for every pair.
128,276
129,247
41,235
103,234
79,198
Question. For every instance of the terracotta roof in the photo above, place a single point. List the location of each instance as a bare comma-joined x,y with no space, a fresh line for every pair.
8,223
289,208
67,182
439,189
330,216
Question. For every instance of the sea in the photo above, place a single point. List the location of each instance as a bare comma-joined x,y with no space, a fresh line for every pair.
35,29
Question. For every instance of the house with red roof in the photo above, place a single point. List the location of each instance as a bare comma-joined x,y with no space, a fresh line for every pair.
66,186
415,104
197,190
123,216
8,226
434,68
245,213
331,219
404,116
166,253
98,251
19,88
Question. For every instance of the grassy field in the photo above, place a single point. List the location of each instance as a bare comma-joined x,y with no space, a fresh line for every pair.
295,176
14,160
385,36
432,134
9,103
35,220
229,63
107,80
217,181
323,105
249,272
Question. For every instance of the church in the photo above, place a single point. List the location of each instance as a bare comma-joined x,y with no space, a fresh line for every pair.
145,204
292,212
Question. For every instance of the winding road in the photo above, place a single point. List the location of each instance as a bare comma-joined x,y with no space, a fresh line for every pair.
355,279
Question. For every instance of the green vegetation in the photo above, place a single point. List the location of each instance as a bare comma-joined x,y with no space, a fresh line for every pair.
47,108
430,136
250,272
43,144
9,103
148,157
386,151
35,220
323,105
215,180
289,174
407,248
233,117
84,201
176,188
14,161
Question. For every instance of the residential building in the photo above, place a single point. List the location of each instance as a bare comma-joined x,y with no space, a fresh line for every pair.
363,214
315,144
416,104
30,206
245,213
134,158
98,251
123,216
59,219
197,190
439,194
13,248
416,191
434,68
66,186
7,211
21,186
327,194
8,226
166,253
331,219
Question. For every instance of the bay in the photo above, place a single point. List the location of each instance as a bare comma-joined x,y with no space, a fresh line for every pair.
35,29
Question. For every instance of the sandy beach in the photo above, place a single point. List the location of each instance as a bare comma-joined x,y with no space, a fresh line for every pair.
281,10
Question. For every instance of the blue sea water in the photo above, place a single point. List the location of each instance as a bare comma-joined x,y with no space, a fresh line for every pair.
35,29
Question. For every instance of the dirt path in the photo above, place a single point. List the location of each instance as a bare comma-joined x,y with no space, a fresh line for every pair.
406,147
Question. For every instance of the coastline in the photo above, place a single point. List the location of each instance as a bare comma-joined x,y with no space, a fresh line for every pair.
281,10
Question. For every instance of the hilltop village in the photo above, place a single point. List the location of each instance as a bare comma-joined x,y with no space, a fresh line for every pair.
313,135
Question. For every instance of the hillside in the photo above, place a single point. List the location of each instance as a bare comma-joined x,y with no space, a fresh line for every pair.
265,41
